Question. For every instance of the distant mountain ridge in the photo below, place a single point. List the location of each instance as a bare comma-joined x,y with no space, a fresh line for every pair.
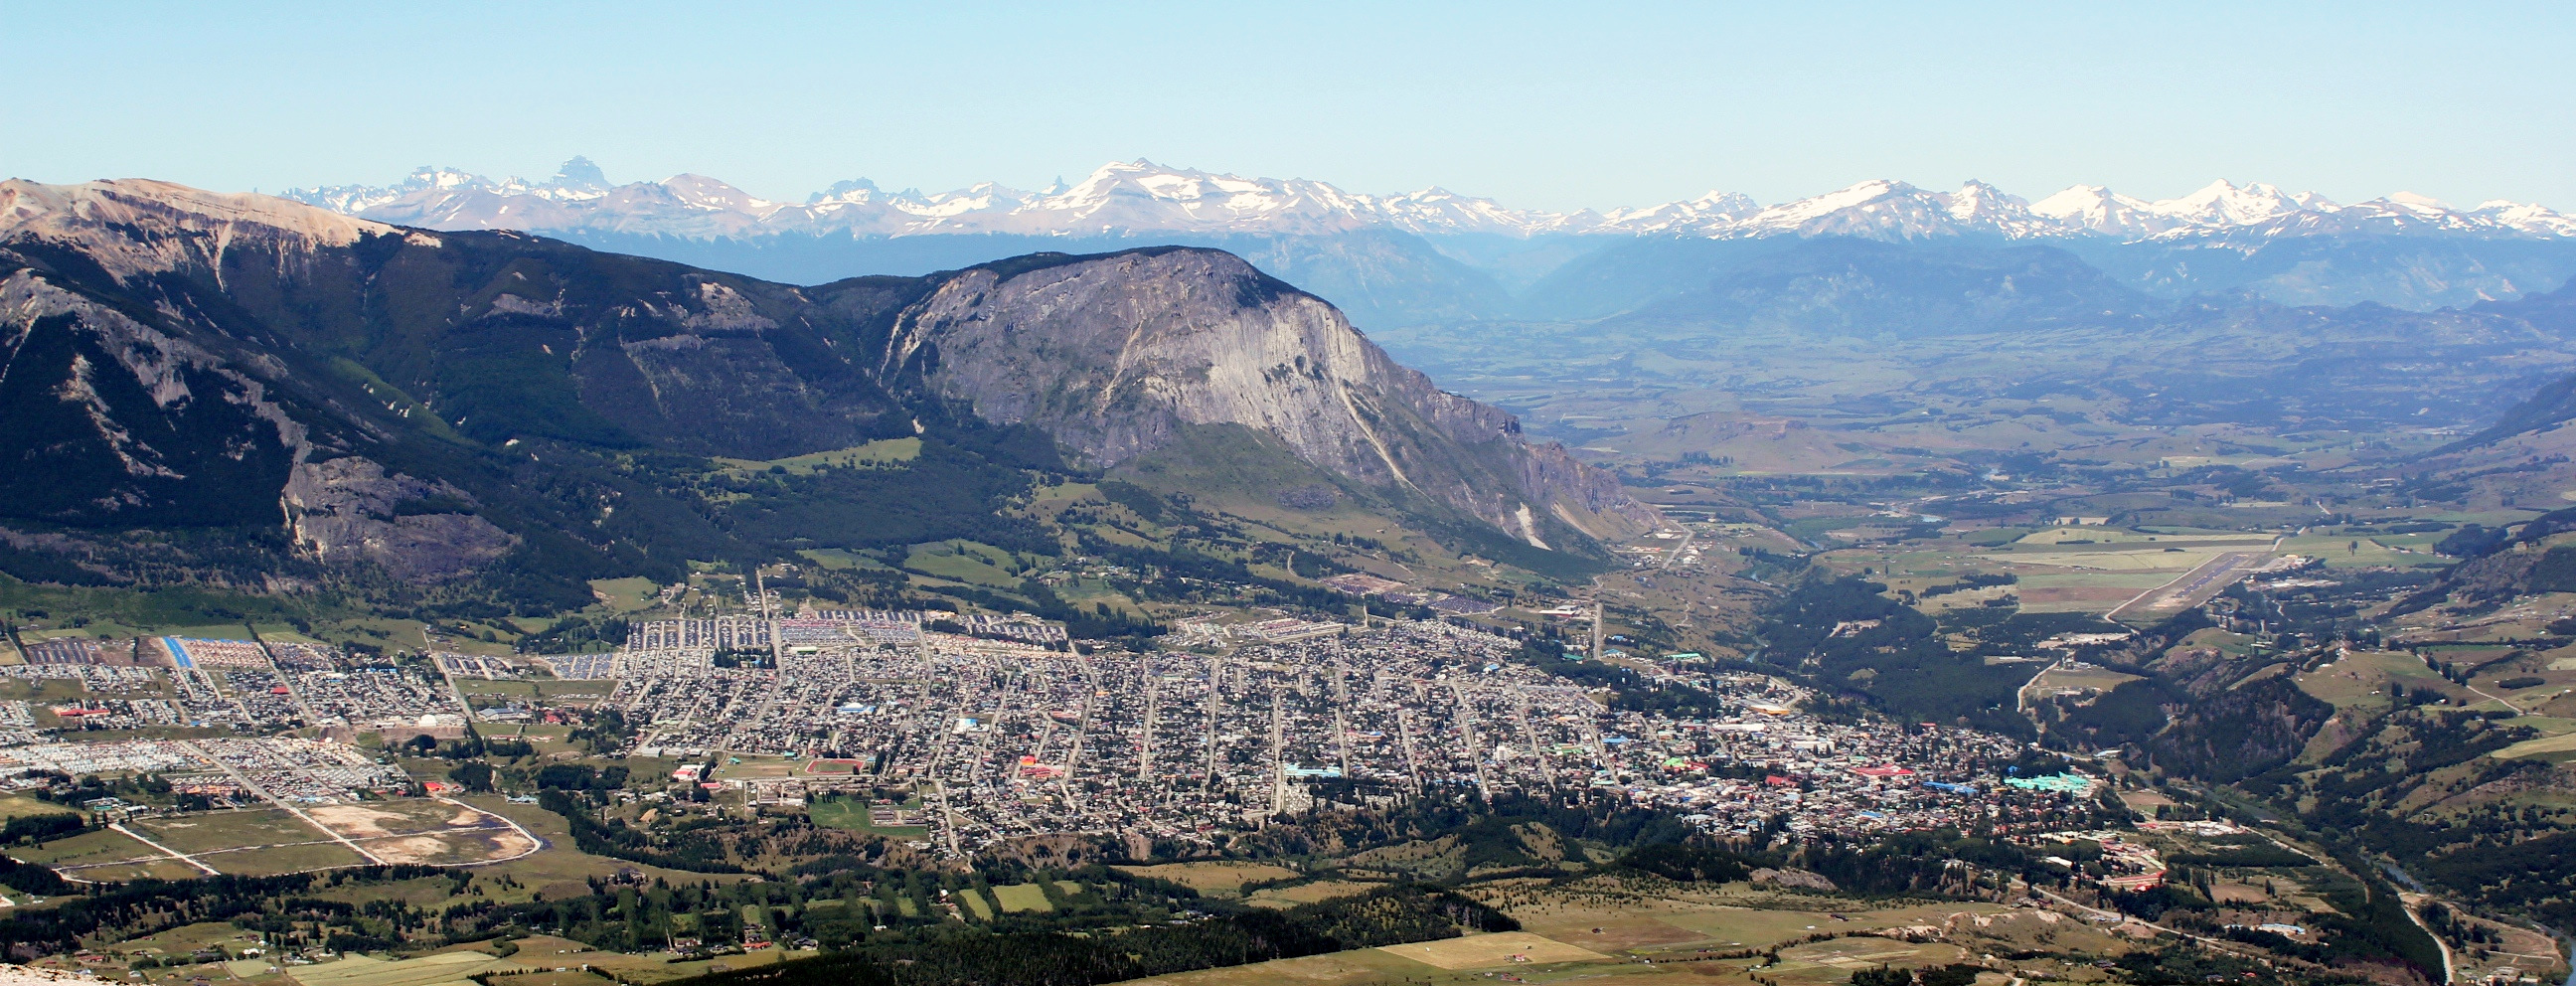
1123,198
451,403
1436,256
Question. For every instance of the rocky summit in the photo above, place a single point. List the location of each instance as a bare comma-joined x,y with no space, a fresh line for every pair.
1115,355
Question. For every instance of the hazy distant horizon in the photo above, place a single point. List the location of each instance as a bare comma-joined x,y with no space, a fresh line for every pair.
1531,105
1071,177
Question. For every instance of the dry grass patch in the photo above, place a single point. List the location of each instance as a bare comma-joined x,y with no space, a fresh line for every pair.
1221,878
1361,967
1487,951
359,970
1308,893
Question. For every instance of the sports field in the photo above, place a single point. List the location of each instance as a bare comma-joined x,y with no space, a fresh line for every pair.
853,814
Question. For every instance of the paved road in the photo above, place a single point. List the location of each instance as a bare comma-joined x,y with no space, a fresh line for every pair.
2450,971
452,687
1467,728
1278,754
2021,696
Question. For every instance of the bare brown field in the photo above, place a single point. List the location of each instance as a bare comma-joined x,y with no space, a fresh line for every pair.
1363,967
1488,951
377,819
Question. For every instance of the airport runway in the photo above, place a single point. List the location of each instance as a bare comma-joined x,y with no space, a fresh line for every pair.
2198,584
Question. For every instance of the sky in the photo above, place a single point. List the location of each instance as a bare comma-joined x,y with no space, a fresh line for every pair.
1538,105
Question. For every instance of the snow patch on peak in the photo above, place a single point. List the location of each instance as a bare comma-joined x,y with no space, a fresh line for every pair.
1141,196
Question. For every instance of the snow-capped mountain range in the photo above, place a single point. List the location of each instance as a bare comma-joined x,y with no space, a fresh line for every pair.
1142,197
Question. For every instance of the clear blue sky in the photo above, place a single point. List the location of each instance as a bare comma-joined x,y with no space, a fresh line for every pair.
1545,105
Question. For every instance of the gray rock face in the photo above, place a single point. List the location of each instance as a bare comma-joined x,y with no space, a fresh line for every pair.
347,510
1115,355
114,420
1791,879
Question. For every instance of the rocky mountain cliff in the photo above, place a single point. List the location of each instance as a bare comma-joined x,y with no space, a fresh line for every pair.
1115,355
444,403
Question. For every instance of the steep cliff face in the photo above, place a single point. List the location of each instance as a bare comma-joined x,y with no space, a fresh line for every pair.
1114,355
350,509
111,420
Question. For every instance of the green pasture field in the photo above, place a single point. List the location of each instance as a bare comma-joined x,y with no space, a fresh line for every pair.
836,558
190,938
758,767
626,595
876,454
17,806
2360,679
385,633
2080,591
2368,550
86,849
2100,678
272,860
2174,558
558,870
40,689
1020,897
117,612
2230,644
2165,537
359,970
852,814
216,831
966,561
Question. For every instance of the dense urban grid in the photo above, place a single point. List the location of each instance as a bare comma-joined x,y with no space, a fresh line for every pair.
1007,730
1004,739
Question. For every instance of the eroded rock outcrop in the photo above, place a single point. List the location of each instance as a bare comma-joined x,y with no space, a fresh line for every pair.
350,510
1115,355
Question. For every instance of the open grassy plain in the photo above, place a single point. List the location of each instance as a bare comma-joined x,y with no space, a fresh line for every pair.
1216,879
